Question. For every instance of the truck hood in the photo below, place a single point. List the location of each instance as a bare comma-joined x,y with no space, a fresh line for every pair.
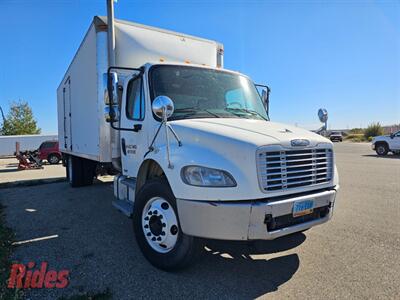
381,138
256,132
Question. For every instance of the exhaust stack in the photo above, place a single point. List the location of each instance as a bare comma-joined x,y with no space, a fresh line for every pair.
111,33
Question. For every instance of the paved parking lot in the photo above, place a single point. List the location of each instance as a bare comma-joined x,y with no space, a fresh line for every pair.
10,175
356,255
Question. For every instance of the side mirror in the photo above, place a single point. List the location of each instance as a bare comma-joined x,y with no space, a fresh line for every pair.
111,94
323,115
163,107
265,99
111,113
392,135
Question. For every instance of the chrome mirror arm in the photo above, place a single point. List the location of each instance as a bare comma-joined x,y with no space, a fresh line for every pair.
163,107
151,148
175,135
170,166
168,126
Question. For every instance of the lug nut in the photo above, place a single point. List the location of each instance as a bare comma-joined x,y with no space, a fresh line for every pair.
163,233
146,226
150,213
164,205
155,212
148,234
159,239
153,238
163,224
146,218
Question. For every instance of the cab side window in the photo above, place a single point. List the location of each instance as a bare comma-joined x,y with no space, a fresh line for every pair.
135,100
47,145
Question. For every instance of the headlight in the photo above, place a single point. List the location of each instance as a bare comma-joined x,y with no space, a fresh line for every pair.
202,176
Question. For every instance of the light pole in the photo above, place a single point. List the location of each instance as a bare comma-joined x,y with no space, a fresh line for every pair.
2,114
4,119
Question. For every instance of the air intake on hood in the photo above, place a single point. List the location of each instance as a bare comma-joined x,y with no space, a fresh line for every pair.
281,169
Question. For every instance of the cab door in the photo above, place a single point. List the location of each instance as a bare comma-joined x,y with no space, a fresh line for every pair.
133,139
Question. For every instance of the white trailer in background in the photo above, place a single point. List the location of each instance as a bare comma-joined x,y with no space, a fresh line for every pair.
26,142
192,144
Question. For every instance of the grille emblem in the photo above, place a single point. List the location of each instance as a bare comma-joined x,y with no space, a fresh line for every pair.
300,143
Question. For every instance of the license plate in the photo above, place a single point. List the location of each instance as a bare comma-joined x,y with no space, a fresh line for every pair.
302,208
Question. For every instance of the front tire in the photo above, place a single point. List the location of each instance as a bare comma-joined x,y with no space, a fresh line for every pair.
382,149
157,229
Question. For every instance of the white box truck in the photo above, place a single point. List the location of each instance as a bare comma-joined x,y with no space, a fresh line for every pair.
194,150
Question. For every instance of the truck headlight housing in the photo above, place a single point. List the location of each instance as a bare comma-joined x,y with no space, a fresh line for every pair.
206,177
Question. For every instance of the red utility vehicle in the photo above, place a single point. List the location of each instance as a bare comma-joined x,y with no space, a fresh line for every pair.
49,151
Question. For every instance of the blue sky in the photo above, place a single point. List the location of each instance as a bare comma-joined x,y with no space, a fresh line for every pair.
341,55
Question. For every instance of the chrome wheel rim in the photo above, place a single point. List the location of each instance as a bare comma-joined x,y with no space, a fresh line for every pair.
160,225
53,159
381,149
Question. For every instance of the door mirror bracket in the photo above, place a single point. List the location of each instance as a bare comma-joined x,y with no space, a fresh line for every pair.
163,108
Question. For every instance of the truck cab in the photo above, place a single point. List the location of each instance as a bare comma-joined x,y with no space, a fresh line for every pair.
230,172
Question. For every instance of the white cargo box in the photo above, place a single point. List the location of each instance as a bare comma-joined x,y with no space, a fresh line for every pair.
80,96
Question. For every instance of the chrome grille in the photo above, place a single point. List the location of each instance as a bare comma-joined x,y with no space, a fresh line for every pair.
286,169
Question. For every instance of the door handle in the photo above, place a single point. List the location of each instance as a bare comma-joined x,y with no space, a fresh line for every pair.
137,127
123,146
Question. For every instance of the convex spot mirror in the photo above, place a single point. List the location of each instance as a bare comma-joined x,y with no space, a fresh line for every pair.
163,107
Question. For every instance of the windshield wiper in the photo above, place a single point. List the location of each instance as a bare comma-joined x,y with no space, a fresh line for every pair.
245,110
185,109
194,110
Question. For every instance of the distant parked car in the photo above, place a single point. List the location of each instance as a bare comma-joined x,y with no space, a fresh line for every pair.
384,144
336,137
49,151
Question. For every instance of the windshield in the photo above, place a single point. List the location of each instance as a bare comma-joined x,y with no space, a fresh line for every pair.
205,93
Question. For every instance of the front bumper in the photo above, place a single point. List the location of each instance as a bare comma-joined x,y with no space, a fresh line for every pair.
252,220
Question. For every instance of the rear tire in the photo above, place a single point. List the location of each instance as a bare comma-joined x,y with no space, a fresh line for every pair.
74,171
381,149
89,168
157,229
80,171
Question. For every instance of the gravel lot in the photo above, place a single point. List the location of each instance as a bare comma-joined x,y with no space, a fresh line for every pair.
356,255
